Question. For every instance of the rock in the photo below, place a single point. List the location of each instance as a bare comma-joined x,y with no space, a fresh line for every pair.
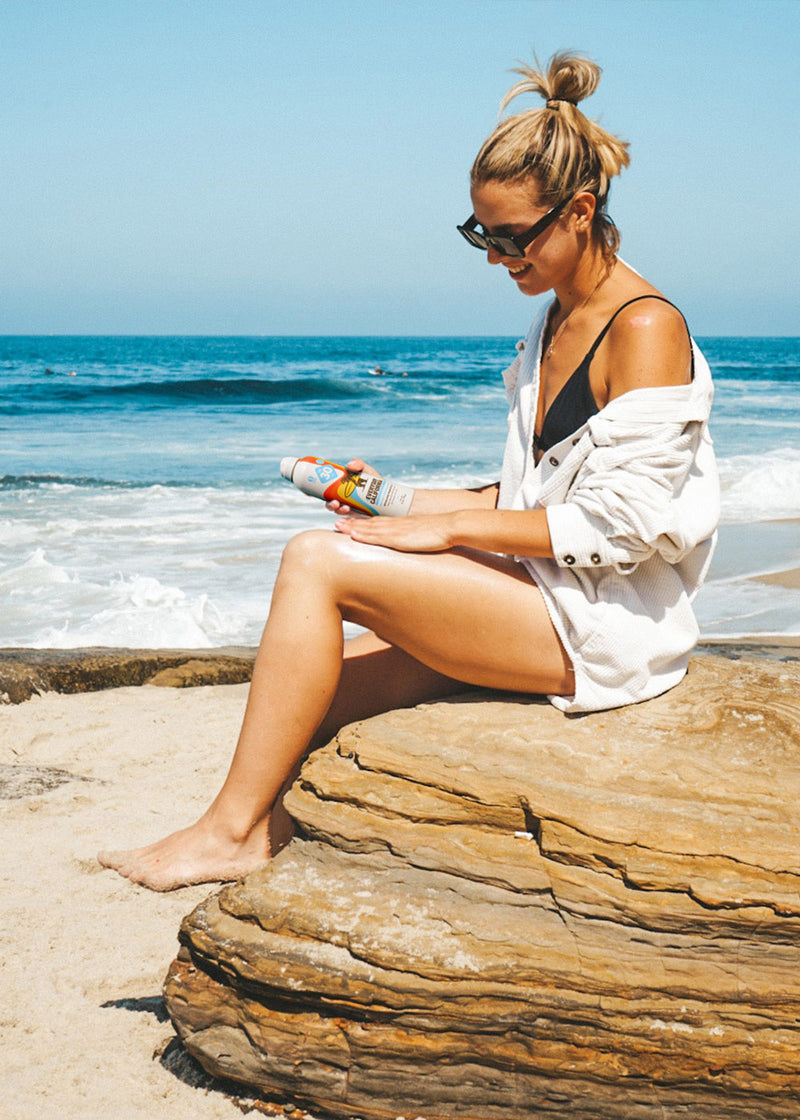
27,672
495,911
208,670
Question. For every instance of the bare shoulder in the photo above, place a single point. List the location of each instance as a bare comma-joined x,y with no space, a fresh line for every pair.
648,346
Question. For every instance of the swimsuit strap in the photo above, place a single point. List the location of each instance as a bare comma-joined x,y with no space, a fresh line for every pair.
574,403
590,354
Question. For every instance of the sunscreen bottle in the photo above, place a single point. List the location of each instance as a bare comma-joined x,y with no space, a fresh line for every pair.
363,492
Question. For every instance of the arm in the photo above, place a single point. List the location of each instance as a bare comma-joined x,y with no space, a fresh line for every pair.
449,501
647,346
523,532
620,506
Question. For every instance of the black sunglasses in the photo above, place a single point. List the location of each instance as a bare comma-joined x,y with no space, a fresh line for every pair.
509,246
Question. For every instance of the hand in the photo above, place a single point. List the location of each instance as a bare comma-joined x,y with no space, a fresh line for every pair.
421,533
357,466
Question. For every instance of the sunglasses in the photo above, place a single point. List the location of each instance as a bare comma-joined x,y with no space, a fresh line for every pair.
509,246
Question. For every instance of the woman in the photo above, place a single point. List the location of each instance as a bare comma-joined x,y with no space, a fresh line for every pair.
572,577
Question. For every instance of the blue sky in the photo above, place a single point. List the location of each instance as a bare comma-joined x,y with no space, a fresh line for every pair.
299,167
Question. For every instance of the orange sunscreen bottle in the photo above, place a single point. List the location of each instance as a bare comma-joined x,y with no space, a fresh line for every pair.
332,483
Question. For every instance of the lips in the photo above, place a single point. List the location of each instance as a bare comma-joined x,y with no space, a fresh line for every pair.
516,273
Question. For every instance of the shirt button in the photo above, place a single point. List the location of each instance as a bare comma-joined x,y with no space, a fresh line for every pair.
569,559
595,558
553,461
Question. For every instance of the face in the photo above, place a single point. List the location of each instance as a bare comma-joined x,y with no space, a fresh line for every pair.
511,208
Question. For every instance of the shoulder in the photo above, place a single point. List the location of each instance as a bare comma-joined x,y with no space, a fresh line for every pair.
648,346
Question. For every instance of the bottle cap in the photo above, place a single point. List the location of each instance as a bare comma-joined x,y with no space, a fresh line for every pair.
287,466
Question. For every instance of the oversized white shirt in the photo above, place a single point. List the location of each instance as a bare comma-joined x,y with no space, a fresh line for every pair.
632,501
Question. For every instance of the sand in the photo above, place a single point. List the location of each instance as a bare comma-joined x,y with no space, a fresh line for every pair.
84,952
789,578
83,1029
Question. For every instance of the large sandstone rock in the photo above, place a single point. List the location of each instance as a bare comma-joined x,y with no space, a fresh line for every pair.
496,911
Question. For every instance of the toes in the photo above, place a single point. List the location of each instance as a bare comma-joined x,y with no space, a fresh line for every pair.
110,859
124,863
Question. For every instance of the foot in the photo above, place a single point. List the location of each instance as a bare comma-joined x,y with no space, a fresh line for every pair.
199,854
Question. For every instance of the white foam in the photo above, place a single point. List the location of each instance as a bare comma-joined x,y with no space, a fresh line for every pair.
744,608
168,622
762,487
32,577
170,566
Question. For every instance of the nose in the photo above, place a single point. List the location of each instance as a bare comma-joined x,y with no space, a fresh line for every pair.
492,255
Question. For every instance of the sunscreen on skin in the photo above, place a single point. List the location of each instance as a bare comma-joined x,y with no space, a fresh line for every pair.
333,483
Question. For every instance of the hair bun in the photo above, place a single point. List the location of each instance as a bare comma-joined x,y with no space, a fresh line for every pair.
572,77
569,78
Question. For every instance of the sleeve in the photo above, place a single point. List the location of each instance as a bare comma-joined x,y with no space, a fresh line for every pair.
622,505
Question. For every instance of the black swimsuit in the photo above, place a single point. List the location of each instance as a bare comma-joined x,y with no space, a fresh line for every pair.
575,401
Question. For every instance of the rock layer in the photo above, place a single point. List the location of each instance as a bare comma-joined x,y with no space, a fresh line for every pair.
28,672
492,910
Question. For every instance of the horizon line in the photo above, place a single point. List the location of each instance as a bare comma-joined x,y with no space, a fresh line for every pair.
347,334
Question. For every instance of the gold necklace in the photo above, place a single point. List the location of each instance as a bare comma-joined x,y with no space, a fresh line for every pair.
577,307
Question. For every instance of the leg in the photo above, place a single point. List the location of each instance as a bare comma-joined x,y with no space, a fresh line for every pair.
442,618
375,677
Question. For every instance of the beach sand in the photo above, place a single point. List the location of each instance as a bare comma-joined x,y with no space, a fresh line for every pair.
83,1029
790,578
84,952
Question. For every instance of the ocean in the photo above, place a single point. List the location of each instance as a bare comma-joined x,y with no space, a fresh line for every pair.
141,503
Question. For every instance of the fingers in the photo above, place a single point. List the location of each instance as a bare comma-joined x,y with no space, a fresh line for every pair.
358,466
405,534
353,526
345,510
344,523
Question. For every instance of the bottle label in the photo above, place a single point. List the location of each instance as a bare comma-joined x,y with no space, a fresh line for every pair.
362,492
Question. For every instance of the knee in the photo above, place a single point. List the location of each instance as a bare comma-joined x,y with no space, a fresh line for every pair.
312,554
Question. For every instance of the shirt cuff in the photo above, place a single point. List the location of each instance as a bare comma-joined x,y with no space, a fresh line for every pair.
580,541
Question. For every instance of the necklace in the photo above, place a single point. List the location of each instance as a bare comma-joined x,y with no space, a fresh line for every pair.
577,307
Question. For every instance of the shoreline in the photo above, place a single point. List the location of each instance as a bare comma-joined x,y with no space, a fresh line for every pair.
788,577
25,672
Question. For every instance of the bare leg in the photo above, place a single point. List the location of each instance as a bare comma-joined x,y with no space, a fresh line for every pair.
442,618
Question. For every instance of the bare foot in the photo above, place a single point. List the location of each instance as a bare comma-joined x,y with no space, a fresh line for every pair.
198,854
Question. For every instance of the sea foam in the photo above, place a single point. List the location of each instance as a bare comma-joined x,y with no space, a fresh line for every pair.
761,487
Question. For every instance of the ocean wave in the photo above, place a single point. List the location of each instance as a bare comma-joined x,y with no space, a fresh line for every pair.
40,481
762,487
84,482
747,609
133,611
207,390
12,482
758,371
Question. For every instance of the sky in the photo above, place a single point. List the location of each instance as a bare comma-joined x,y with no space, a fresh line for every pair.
298,167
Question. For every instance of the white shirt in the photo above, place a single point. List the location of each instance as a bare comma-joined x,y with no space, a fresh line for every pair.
632,501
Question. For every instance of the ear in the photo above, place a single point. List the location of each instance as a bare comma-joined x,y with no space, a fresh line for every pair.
583,210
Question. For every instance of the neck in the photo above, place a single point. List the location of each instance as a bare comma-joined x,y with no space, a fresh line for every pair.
579,286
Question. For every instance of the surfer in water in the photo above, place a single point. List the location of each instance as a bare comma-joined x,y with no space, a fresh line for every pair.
570,576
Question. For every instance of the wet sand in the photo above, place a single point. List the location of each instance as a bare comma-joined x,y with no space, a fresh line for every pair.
789,578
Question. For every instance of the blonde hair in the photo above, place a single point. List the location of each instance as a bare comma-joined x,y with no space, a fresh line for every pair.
557,146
